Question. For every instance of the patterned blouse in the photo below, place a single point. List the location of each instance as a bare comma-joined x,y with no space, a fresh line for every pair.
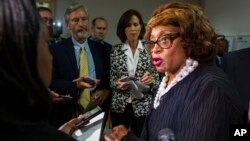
119,67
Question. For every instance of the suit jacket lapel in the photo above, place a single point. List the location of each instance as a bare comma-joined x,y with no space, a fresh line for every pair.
71,55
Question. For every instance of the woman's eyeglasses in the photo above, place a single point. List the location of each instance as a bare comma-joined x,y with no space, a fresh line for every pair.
164,41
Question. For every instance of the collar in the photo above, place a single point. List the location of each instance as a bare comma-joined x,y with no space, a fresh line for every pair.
78,45
126,46
93,39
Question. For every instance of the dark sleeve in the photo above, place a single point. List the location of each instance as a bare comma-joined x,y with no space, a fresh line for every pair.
102,64
106,78
58,83
49,133
32,131
208,116
224,62
131,137
107,61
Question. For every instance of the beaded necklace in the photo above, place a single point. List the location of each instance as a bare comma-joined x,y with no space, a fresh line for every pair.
189,67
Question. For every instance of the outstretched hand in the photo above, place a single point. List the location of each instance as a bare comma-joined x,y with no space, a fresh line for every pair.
57,98
117,134
70,126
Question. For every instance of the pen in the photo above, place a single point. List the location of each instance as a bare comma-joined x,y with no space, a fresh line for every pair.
76,79
49,90
85,79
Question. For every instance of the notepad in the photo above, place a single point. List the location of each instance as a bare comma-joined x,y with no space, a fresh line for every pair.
92,131
89,115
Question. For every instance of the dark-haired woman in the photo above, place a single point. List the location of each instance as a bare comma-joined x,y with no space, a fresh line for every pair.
132,60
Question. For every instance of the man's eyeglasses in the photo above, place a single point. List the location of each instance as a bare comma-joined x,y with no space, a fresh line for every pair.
47,20
164,41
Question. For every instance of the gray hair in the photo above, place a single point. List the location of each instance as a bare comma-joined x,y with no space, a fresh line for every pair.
73,7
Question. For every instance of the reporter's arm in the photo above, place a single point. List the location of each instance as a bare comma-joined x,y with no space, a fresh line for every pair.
70,126
121,133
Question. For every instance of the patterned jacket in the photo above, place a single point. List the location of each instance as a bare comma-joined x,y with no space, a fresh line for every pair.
119,101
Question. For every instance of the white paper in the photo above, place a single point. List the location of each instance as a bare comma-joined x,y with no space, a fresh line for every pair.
91,131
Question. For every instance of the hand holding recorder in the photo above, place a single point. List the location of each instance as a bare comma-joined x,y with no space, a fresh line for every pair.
135,87
57,98
86,82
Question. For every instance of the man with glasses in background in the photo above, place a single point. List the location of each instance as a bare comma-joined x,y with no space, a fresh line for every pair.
47,17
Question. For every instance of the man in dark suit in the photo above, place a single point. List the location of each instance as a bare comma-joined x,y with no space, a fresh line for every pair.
236,65
99,30
66,63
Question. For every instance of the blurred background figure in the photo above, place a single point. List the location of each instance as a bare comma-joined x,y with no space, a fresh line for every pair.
99,31
47,17
25,73
54,28
222,46
132,60
236,66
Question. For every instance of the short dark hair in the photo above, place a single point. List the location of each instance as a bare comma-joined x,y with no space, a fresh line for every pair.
221,44
124,22
98,18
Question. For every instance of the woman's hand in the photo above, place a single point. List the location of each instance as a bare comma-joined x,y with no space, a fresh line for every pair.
147,79
117,134
70,126
123,83
100,96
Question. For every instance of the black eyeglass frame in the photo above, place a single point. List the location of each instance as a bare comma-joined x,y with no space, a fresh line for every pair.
47,20
170,36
